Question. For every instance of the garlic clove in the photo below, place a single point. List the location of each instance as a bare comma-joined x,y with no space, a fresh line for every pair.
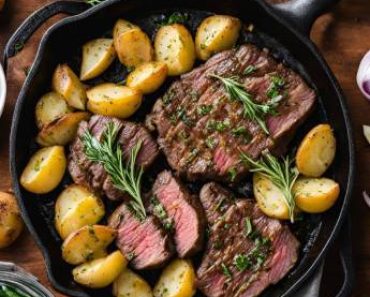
363,75
366,131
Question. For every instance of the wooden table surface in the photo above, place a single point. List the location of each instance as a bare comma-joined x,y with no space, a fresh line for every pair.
343,37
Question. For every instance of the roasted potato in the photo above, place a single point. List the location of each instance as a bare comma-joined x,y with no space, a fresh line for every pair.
122,26
147,77
87,243
101,272
174,46
216,33
44,170
133,47
315,195
113,100
49,108
76,207
11,224
66,83
176,280
129,284
316,151
61,131
97,55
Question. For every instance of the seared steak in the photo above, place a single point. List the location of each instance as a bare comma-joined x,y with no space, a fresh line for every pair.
246,251
144,243
182,213
92,174
202,131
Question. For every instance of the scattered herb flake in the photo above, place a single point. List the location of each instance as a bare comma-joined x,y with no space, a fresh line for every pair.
226,271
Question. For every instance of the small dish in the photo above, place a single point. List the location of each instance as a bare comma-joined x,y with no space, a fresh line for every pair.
2,89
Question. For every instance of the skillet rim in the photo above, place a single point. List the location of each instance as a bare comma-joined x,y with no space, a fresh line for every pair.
271,13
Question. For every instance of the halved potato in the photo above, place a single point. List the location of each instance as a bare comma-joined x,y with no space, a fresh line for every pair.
316,151
174,46
66,83
87,243
216,33
113,100
44,170
133,47
129,284
49,108
122,26
63,130
76,207
147,77
97,55
176,280
315,195
101,272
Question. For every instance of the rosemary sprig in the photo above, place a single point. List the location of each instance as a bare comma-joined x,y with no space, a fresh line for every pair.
281,173
93,2
124,175
254,111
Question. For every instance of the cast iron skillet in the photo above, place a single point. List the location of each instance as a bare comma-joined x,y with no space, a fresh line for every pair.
283,28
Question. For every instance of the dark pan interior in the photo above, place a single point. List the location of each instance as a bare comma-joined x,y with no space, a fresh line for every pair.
63,44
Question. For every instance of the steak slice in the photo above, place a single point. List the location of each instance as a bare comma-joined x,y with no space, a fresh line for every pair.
92,174
144,243
246,251
172,201
202,131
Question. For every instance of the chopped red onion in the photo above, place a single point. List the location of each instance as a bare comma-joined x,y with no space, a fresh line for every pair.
366,198
363,75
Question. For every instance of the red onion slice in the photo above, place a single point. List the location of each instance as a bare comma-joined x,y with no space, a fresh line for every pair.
366,198
363,75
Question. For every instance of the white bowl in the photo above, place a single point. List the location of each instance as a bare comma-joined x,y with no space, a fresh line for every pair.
2,89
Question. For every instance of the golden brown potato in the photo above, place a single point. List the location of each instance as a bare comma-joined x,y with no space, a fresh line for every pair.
97,55
176,280
133,47
316,151
174,46
315,195
76,207
215,34
49,108
113,100
45,170
87,243
66,83
128,284
122,26
101,272
63,130
147,77
11,224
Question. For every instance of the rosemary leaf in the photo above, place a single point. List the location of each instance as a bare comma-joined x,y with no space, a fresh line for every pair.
93,2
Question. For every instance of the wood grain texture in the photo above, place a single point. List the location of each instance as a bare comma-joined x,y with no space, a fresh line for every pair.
342,36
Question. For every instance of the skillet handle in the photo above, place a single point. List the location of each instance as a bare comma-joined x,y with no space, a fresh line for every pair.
302,13
35,20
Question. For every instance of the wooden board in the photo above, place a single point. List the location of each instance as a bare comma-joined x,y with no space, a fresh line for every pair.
343,38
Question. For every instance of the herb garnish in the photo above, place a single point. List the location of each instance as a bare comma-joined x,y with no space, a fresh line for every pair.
125,176
254,111
93,2
232,173
160,212
282,175
226,271
204,109
249,70
18,47
242,262
248,226
219,126
174,18
277,83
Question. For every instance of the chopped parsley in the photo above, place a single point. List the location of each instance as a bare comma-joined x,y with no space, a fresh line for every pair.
232,173
210,142
241,132
175,18
249,70
219,126
277,83
226,271
248,226
242,262
204,109
160,212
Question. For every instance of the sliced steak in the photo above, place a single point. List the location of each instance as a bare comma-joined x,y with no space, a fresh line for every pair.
246,251
92,174
202,131
182,213
144,243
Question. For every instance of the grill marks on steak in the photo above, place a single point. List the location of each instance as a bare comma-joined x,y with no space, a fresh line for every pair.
92,174
144,243
184,116
184,210
228,239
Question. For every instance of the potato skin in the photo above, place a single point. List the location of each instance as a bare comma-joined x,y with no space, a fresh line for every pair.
76,207
101,272
11,224
66,83
215,34
113,100
147,77
316,151
176,280
174,46
44,170
129,284
315,195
